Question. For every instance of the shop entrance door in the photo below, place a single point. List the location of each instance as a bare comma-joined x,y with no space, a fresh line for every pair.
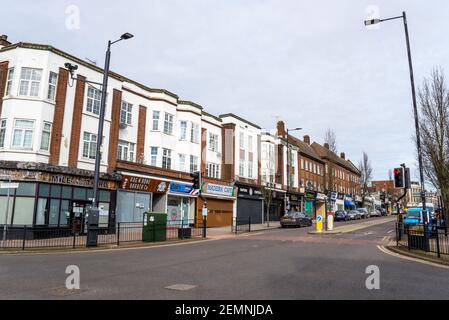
78,216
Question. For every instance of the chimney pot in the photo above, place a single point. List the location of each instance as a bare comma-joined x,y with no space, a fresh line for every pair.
326,145
307,140
343,156
4,37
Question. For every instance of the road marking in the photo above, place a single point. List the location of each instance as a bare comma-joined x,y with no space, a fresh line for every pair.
400,256
181,287
391,231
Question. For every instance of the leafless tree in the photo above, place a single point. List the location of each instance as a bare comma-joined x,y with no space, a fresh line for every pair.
330,139
366,174
434,130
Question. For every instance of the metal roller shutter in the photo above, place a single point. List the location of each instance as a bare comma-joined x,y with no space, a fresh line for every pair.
250,208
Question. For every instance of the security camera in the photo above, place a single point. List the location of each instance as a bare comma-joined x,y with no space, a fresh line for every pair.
71,67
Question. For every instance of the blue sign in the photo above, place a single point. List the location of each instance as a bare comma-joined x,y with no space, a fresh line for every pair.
180,188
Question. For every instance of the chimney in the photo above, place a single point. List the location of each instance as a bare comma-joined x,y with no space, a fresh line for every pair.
343,156
281,129
307,140
326,145
4,40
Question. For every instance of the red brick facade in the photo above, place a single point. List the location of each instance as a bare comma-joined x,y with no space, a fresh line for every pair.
228,152
140,148
3,78
203,151
114,130
77,116
58,117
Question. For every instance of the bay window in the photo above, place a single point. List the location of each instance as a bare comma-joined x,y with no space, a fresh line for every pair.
30,81
46,134
52,80
23,134
168,124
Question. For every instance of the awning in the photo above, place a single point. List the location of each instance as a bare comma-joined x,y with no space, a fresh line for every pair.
349,204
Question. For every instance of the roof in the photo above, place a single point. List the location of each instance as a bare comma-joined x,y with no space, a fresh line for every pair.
304,148
325,153
190,103
239,118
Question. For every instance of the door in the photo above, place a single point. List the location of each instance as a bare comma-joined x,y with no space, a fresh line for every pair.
247,208
78,217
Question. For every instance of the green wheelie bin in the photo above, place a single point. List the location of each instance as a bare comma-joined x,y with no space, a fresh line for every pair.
154,227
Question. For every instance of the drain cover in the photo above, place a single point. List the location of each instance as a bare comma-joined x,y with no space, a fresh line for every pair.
181,287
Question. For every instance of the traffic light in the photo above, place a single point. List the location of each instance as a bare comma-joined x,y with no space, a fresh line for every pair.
399,178
196,180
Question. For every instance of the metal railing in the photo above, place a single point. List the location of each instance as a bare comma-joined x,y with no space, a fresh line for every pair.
241,225
28,237
424,238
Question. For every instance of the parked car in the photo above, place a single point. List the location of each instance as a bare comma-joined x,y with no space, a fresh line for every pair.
341,215
354,215
376,213
363,213
296,219
384,212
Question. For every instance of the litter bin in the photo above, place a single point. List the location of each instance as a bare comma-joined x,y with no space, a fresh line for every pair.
154,227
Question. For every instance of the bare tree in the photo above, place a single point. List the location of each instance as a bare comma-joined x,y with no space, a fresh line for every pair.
434,131
330,139
366,174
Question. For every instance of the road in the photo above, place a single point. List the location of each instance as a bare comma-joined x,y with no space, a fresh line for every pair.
277,264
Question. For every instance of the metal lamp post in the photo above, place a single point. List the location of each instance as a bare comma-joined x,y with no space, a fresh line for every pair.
415,108
288,157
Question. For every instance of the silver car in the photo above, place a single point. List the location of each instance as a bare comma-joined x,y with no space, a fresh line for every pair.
364,213
354,215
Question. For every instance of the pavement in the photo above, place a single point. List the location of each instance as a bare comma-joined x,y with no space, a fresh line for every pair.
277,264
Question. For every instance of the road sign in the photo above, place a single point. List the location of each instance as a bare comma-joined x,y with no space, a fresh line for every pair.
205,212
9,185
319,223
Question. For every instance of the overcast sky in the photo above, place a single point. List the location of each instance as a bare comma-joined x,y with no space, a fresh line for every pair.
311,63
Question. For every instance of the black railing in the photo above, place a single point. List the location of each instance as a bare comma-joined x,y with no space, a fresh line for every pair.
241,225
27,237
424,238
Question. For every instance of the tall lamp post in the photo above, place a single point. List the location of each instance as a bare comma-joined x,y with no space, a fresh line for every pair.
288,157
415,108
93,217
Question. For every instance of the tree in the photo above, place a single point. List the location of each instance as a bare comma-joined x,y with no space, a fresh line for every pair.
434,131
330,139
366,174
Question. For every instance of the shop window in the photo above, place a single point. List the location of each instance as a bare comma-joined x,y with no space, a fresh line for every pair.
64,213
26,189
3,205
56,191
67,192
105,196
23,211
79,194
41,211
54,212
44,190
90,194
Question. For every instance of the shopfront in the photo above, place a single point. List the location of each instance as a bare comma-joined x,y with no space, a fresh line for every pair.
340,202
277,207
309,204
55,200
219,200
332,201
138,195
294,202
250,203
321,204
349,203
181,201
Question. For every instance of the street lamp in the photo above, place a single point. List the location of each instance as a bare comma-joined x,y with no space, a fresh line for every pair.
415,108
288,157
93,217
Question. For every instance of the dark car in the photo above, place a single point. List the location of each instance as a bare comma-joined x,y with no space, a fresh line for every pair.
341,215
295,219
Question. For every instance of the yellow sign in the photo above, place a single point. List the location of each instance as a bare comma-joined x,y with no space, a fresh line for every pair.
319,223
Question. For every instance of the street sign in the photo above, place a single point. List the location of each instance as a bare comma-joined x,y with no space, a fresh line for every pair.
9,185
319,223
205,212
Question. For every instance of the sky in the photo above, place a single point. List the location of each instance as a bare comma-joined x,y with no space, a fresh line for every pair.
312,64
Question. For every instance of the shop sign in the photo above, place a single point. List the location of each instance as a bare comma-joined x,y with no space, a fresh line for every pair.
348,198
294,198
218,189
249,191
358,198
341,196
144,184
333,196
310,195
321,197
176,187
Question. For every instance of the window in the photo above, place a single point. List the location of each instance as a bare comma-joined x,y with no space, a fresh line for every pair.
242,141
2,132
168,124
241,168
46,134
250,169
302,163
195,133
93,100
153,160
126,113
9,81
23,134
89,145
156,116
166,159
183,130
30,80
314,168
126,151
52,80
213,170
193,164
182,162
250,143
213,142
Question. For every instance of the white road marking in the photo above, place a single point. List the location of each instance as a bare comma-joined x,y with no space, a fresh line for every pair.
400,256
391,231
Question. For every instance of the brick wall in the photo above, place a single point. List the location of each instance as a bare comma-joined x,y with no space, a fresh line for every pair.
3,77
140,149
77,116
58,117
280,166
114,130
228,152
203,151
